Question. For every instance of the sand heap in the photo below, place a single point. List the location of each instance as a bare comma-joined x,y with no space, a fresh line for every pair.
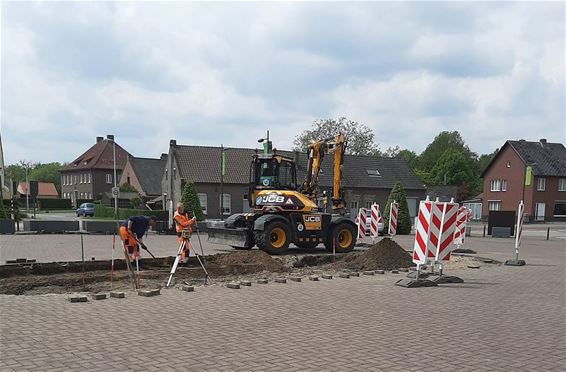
384,255
256,261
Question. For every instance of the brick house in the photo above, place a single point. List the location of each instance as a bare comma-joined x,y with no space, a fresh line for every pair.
145,175
366,179
45,190
531,171
92,174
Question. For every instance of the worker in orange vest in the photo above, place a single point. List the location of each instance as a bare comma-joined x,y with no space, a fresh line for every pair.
183,222
132,232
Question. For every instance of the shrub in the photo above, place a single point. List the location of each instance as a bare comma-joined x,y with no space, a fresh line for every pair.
191,202
403,216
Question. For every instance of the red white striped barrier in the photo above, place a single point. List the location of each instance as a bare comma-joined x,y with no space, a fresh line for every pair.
393,218
520,215
362,215
443,222
460,230
422,232
374,221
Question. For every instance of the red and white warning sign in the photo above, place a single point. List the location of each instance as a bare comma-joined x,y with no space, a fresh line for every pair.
460,230
443,223
422,232
393,218
362,216
374,221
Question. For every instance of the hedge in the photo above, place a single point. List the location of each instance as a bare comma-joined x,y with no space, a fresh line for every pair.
102,211
54,203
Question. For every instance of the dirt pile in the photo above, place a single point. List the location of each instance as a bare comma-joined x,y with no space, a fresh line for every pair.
247,262
384,255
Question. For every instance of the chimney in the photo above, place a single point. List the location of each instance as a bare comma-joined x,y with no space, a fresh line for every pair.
542,141
98,139
110,137
163,156
173,142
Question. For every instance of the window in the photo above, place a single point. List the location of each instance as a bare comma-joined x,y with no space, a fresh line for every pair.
108,178
562,184
76,179
373,173
560,209
494,205
541,184
354,205
508,164
82,178
166,177
503,185
368,204
89,180
90,195
227,204
63,180
495,185
203,200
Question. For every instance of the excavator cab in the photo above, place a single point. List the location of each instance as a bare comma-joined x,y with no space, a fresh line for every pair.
273,172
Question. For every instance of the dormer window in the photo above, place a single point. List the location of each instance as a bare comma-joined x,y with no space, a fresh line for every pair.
373,173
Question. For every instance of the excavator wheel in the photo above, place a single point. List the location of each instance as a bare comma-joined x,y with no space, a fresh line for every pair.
274,239
344,235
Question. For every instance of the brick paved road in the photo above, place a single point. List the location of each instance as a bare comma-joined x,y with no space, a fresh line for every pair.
501,319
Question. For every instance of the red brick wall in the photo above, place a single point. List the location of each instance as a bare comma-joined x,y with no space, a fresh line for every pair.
514,175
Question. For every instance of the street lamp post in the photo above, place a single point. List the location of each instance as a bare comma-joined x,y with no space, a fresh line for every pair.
222,182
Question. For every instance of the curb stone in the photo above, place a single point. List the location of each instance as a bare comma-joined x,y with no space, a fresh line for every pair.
149,292
117,294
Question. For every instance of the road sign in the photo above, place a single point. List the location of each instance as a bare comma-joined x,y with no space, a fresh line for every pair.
115,191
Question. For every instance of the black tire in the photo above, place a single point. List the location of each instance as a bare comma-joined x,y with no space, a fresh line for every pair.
345,236
274,239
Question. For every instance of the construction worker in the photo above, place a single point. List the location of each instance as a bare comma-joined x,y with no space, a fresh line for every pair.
132,231
183,222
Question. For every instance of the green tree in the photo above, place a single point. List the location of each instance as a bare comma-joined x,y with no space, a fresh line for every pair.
360,138
454,168
484,160
442,142
48,172
403,217
410,156
191,202
16,172
126,187
2,210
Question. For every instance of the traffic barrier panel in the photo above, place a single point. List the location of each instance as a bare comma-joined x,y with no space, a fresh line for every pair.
374,221
422,232
393,218
362,223
443,223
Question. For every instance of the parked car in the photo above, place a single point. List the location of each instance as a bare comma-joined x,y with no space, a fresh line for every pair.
368,223
85,209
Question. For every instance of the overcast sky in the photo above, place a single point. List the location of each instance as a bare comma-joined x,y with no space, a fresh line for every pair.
211,73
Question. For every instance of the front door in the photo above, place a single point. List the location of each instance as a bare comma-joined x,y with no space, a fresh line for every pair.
539,211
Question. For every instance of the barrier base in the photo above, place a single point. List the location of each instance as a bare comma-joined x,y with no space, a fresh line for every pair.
413,275
413,283
515,263
443,279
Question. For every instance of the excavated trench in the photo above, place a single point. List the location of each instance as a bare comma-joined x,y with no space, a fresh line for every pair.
31,278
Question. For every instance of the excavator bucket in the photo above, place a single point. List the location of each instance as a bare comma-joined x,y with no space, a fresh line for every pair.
235,237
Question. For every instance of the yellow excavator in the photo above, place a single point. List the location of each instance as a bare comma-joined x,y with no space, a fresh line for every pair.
285,212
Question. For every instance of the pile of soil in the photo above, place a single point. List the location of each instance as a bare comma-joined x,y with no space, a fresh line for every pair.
384,255
247,262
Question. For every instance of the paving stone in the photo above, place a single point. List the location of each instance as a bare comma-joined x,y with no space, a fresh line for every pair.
394,271
313,278
262,281
77,298
369,273
280,280
149,292
295,279
326,276
245,283
187,288
344,275
233,285
355,273
380,271
473,265
115,294
99,296
404,269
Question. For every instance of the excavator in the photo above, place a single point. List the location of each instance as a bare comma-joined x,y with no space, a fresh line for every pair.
284,212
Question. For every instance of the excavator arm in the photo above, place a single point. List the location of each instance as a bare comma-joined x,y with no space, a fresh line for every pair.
315,153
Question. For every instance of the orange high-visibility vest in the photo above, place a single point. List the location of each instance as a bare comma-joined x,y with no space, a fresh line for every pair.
182,221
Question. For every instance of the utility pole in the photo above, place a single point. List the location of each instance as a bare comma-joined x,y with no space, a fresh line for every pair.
222,182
